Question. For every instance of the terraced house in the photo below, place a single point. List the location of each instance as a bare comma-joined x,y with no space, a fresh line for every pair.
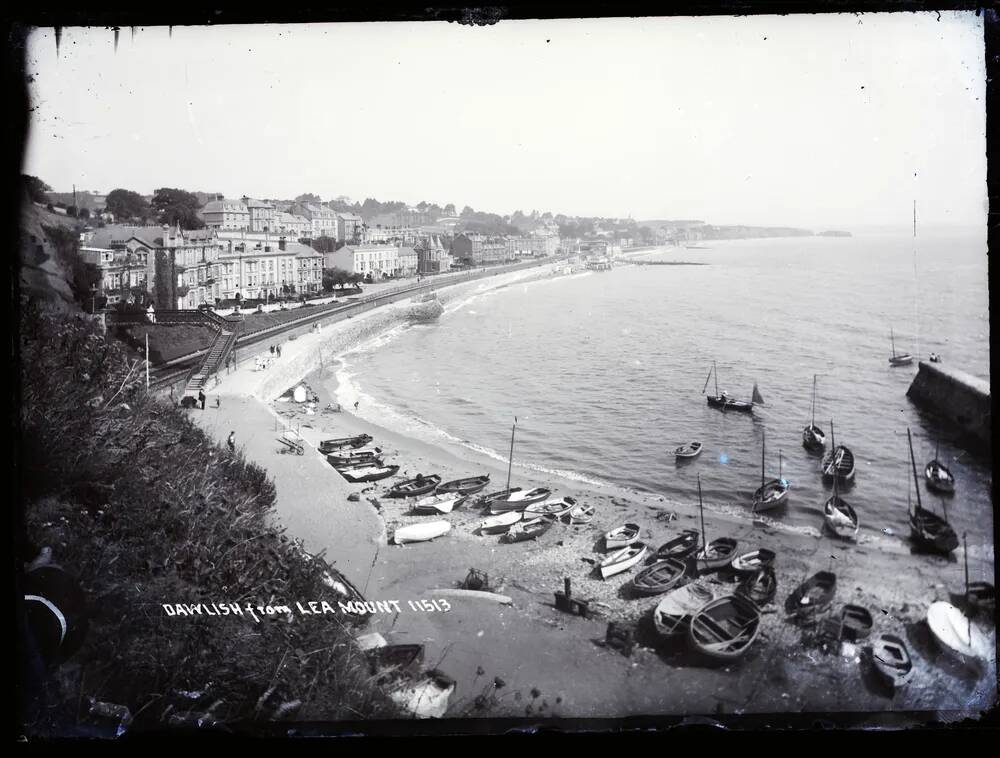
266,266
322,219
184,271
121,255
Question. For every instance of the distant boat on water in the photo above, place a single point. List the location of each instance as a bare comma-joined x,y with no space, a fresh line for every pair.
898,359
743,406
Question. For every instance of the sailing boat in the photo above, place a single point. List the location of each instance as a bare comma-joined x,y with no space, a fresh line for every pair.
813,438
839,517
716,554
839,462
504,494
928,529
773,493
898,359
716,400
939,478
742,406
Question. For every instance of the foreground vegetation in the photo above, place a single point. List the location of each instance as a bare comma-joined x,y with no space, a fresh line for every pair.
140,505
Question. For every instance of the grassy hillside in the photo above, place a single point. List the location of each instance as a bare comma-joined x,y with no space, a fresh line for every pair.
139,504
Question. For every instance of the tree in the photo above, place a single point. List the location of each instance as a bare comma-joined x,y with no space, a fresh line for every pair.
308,197
323,244
177,206
126,204
71,210
468,211
449,209
36,188
84,213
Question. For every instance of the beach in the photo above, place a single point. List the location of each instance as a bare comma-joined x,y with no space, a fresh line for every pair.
530,659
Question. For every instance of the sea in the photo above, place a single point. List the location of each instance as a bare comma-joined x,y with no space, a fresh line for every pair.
605,373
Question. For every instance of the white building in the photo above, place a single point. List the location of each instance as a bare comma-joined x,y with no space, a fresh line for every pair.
376,261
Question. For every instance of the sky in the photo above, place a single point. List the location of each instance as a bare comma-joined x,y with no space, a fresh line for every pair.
819,121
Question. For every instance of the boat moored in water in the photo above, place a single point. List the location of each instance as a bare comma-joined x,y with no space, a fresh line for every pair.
688,451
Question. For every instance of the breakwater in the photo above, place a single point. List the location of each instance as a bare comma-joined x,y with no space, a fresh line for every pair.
959,399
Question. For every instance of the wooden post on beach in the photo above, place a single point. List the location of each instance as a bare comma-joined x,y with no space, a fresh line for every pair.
569,594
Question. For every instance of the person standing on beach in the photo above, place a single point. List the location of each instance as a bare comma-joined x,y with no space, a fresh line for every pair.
278,350
272,349
201,399
231,442
355,405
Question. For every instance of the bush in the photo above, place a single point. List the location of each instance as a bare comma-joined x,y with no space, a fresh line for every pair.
139,504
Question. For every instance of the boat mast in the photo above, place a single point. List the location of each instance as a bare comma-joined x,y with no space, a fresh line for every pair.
779,465
715,373
965,550
892,340
813,421
510,461
913,463
763,445
701,511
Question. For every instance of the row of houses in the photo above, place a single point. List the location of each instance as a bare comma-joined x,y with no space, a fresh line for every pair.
183,269
302,220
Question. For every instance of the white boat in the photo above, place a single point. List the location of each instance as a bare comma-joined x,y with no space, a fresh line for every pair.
956,634
677,607
623,536
427,698
438,503
581,514
421,532
500,523
551,508
623,560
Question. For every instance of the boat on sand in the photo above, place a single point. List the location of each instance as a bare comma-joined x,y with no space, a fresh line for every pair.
622,560
420,485
421,532
500,523
672,615
891,660
438,503
518,501
468,486
725,628
622,536
660,577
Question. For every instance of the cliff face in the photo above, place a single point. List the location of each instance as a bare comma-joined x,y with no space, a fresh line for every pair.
46,270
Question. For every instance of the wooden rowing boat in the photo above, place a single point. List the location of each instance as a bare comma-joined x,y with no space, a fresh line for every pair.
760,586
420,485
518,501
551,508
445,503
468,486
328,446
754,561
421,532
813,596
813,438
622,560
725,628
489,497
356,456
681,547
855,622
500,523
716,554
892,660
580,514
357,465
688,451
660,577
673,614
622,536
527,530
839,463
369,474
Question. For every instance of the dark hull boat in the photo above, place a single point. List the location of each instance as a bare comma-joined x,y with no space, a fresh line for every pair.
716,555
813,438
519,500
328,446
369,474
357,465
527,530
421,485
939,478
839,463
342,459
892,660
468,486
740,406
661,577
932,532
855,622
716,401
725,628
680,547
771,495
760,586
813,596
490,497
981,596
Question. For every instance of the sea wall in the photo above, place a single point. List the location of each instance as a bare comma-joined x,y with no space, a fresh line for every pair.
959,399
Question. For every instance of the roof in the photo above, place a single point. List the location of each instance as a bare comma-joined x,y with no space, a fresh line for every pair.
107,236
300,250
349,216
251,203
220,206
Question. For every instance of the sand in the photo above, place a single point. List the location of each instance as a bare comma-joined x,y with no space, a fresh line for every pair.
548,663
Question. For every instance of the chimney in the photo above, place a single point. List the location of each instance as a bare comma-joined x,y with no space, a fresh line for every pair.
281,243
